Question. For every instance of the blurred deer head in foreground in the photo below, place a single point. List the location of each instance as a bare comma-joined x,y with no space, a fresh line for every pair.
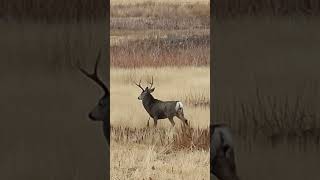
222,159
158,109
101,111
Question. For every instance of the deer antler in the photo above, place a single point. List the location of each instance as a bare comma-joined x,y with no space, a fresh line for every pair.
151,83
139,85
94,75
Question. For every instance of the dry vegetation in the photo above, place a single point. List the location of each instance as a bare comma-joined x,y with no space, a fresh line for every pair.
129,121
50,11
161,9
149,34
133,2
45,131
267,91
169,41
169,50
147,162
236,8
194,93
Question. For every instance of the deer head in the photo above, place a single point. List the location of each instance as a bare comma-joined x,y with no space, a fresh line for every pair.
146,91
100,111
221,166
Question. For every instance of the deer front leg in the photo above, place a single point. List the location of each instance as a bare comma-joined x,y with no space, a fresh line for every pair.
148,122
171,121
155,119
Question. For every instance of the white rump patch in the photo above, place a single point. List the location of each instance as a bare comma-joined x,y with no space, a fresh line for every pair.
179,105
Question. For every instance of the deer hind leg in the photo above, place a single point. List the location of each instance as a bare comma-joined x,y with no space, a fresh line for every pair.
180,115
171,121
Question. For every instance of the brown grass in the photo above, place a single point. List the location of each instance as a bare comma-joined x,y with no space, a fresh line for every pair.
153,34
124,92
165,145
56,46
267,91
133,2
236,8
276,93
53,10
159,53
138,161
45,132
168,41
161,9
154,24
172,140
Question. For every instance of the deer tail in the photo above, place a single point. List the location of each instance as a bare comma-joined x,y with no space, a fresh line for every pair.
179,106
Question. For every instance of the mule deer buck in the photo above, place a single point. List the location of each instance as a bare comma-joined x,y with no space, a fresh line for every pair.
158,109
222,156
101,111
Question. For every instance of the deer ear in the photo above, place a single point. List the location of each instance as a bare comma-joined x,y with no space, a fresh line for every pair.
151,90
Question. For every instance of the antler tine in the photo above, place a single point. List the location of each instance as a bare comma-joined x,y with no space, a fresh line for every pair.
151,83
97,62
139,85
94,76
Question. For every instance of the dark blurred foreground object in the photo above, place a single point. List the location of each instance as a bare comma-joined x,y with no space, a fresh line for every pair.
222,158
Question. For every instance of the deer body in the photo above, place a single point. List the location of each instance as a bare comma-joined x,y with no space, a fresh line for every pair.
158,109
161,109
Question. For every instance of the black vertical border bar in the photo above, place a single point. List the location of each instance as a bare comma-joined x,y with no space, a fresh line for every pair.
107,9
26,134
212,60
212,72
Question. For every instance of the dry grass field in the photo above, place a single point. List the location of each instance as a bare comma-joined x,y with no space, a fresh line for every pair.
147,161
45,132
190,85
163,153
267,90
126,2
146,41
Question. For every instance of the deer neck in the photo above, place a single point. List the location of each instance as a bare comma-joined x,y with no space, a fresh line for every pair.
106,130
147,102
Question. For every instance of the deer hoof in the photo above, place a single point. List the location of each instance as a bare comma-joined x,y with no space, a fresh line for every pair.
186,122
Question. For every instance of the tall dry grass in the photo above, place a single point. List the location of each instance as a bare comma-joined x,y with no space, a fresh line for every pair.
133,2
54,11
266,88
152,151
170,51
236,8
154,34
150,162
31,46
168,41
170,140
45,132
163,9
